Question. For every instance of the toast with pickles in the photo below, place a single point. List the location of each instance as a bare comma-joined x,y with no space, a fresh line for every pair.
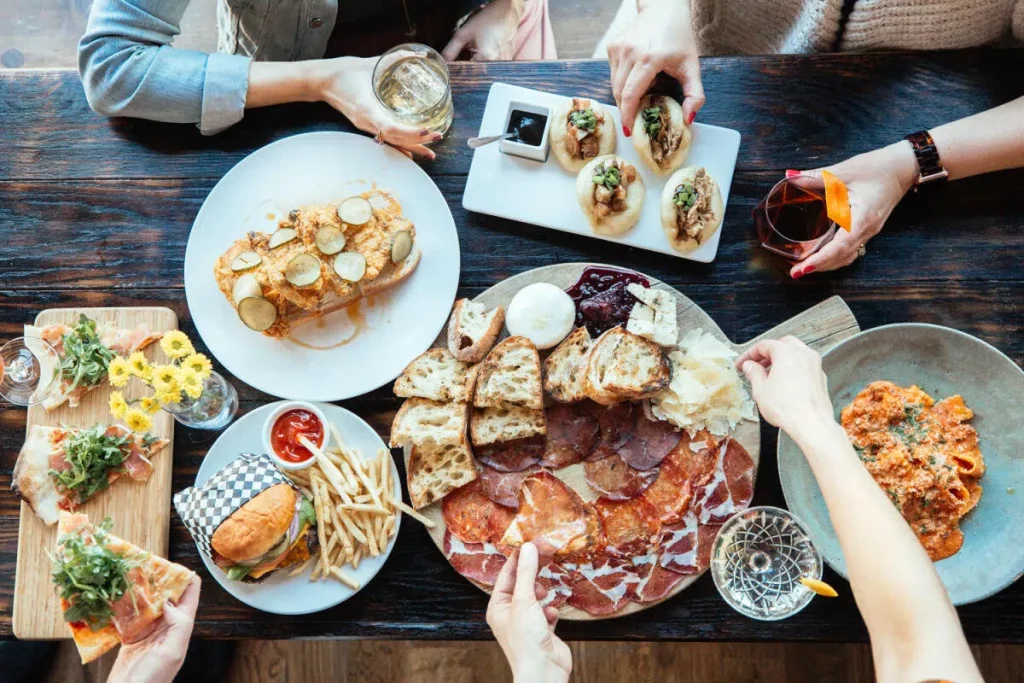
320,259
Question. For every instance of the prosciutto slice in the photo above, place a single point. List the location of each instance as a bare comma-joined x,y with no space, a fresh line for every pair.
616,480
654,582
131,618
503,487
472,517
729,489
481,562
651,441
572,434
511,456
603,586
679,546
553,517
557,581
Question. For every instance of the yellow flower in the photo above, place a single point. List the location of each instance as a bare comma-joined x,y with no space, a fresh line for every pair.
200,363
118,372
149,404
137,421
169,395
139,365
165,377
190,382
118,405
176,344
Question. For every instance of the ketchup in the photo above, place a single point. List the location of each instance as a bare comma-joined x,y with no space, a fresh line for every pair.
284,436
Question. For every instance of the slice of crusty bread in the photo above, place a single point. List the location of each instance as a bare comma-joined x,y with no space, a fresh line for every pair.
420,421
392,274
506,423
510,375
623,366
435,471
564,368
438,376
472,330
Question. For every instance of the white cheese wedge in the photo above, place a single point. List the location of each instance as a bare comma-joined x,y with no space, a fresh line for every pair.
654,316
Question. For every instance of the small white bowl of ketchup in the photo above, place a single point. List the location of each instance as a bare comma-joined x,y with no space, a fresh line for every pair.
282,429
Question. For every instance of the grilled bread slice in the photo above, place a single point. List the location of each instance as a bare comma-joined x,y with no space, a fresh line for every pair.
623,366
510,374
506,423
420,421
472,330
436,470
564,368
438,376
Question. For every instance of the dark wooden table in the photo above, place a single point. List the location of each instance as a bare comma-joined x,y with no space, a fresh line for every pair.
97,213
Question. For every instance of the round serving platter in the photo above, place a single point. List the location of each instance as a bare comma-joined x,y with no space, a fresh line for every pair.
363,346
824,324
943,362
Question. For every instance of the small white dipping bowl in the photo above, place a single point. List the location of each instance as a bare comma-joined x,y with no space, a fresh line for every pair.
277,412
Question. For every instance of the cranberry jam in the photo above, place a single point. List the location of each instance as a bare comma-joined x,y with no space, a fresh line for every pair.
601,299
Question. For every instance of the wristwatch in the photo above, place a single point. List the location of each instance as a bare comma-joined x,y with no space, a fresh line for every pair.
930,168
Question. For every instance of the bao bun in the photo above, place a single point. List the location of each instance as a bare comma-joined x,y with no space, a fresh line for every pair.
712,217
256,527
559,135
616,223
642,141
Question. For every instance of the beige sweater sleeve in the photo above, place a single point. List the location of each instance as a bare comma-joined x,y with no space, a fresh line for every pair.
1018,20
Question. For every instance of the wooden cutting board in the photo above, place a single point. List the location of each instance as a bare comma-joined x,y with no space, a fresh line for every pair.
821,327
140,510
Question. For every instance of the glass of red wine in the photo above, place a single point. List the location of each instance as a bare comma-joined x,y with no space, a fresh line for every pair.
792,220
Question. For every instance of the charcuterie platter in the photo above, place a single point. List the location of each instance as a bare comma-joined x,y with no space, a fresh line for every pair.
609,459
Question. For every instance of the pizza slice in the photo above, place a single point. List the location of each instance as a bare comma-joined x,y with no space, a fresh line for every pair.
60,469
84,350
111,591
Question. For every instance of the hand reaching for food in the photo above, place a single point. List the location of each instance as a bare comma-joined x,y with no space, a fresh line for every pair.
660,39
158,656
524,629
876,182
489,35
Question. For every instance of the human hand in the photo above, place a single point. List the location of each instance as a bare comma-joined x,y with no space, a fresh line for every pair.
876,182
524,629
489,35
157,656
787,383
346,83
659,39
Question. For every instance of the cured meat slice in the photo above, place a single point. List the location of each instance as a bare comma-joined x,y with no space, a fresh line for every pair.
613,478
706,535
553,517
481,562
670,493
511,456
651,441
602,586
730,487
572,434
654,582
134,611
615,425
473,517
631,527
679,546
503,487
557,581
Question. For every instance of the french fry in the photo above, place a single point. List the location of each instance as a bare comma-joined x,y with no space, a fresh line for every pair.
323,519
357,557
326,466
412,513
345,578
363,507
345,540
352,528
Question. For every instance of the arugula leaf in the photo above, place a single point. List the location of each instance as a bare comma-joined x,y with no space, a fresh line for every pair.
92,455
85,358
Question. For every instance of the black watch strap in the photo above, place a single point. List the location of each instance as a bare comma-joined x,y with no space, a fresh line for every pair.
928,163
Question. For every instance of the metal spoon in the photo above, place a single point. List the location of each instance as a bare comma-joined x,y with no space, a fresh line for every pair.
480,142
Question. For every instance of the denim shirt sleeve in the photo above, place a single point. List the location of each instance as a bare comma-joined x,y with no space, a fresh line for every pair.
129,68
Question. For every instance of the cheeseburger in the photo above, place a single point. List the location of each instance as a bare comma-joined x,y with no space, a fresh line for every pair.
274,530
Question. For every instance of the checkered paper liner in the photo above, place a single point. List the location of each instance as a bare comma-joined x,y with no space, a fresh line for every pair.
203,508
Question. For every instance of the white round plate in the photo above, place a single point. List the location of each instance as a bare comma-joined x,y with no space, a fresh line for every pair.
318,168
280,593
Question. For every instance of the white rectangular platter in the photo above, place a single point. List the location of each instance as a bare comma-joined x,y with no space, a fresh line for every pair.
544,194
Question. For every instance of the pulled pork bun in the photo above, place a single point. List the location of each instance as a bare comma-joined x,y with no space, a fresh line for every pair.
660,136
691,208
274,530
581,130
611,194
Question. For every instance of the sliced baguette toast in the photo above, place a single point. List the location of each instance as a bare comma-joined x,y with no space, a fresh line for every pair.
623,366
506,423
510,374
420,421
564,368
436,470
472,330
438,376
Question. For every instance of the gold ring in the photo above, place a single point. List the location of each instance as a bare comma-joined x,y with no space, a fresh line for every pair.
377,138
862,251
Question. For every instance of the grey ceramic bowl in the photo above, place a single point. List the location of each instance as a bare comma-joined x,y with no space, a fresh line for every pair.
943,362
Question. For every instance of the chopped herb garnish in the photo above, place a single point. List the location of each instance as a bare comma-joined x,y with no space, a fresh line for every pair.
92,455
652,121
584,120
610,177
85,358
685,196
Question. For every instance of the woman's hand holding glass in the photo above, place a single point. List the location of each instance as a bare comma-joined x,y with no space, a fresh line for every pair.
489,35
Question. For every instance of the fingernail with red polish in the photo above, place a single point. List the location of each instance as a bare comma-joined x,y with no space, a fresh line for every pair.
790,173
797,275
808,270
693,115
626,131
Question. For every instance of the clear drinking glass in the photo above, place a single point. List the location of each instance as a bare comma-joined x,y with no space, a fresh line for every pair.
792,220
411,81
214,409
758,559
21,370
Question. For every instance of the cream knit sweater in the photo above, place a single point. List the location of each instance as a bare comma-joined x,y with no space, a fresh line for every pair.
781,26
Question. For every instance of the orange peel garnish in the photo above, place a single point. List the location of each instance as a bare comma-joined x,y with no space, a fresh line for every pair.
819,587
837,201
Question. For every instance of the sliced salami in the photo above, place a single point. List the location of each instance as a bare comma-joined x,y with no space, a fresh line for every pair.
473,517
651,441
679,546
553,517
557,581
511,456
603,586
631,527
481,562
503,487
615,425
572,434
729,489
613,478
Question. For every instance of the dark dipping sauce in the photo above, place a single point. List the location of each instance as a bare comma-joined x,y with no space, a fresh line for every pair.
601,299
527,128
